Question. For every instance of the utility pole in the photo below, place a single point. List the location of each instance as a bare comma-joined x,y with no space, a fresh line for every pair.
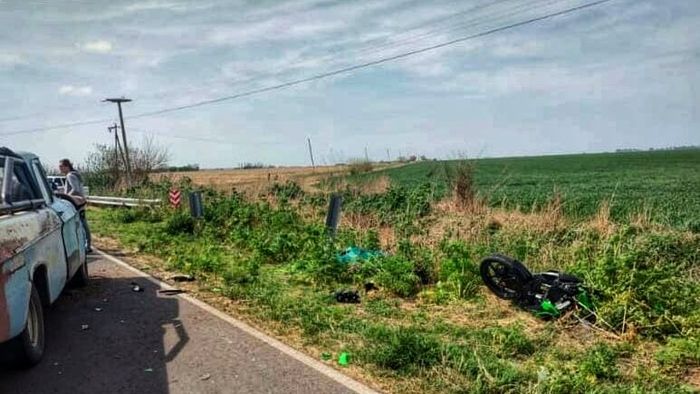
366,155
127,160
388,156
118,154
311,153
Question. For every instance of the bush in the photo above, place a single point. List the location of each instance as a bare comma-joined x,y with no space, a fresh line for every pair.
457,270
397,275
422,260
644,281
289,190
179,223
360,166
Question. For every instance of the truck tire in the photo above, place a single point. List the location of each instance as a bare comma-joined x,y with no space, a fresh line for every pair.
28,347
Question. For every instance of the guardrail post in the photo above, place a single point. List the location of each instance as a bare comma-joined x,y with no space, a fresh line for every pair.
333,216
196,207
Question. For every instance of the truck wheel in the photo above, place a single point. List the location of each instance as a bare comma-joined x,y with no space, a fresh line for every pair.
81,278
28,347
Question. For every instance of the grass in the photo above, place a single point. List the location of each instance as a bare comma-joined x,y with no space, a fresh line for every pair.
431,326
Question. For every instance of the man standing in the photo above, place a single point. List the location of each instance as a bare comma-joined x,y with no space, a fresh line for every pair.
74,188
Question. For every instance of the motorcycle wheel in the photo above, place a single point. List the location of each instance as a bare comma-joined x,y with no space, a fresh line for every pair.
504,276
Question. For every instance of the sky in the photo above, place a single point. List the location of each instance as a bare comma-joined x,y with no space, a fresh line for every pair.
622,74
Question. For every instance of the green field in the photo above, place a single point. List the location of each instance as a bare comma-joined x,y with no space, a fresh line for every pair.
664,183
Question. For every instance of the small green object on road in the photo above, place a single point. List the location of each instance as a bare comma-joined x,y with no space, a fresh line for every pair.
344,359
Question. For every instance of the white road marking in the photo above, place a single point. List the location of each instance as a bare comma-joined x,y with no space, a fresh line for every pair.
295,354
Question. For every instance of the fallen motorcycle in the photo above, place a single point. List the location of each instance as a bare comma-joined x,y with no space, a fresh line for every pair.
547,294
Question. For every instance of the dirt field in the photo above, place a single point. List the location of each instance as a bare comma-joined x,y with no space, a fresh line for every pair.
259,178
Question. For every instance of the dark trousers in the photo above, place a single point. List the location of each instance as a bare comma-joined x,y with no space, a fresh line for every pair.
88,237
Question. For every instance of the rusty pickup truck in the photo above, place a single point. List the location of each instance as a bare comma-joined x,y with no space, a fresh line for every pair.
42,249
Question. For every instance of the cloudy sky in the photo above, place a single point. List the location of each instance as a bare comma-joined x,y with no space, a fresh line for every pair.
622,74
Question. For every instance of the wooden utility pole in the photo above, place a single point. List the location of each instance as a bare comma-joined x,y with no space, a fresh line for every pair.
366,155
118,154
311,152
127,160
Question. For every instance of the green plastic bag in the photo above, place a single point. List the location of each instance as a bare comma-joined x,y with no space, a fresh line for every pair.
354,254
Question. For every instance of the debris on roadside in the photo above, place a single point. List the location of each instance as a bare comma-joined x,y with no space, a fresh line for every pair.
206,376
347,296
344,359
148,370
170,292
98,309
354,254
135,287
181,278
326,356
84,327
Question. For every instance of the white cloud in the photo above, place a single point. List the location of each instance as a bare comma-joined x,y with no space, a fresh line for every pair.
98,46
11,59
77,91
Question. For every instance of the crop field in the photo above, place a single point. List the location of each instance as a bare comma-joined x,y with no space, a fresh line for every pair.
626,224
664,185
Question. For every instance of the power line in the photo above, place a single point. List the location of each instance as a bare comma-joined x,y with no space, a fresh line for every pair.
182,137
385,46
391,41
346,70
59,126
320,76
365,48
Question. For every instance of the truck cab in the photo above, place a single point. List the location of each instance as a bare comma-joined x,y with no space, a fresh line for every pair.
42,249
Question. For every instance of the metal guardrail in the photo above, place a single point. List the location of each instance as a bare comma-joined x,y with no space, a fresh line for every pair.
122,201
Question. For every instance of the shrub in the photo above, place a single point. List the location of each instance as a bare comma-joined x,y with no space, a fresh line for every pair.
359,166
289,190
643,281
179,223
457,270
397,275
422,260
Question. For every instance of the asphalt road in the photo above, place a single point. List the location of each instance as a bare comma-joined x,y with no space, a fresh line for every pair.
107,338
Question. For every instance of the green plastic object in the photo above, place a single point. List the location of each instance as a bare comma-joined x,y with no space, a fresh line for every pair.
585,300
547,309
353,254
344,359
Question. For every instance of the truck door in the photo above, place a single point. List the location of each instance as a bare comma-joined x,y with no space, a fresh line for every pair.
72,230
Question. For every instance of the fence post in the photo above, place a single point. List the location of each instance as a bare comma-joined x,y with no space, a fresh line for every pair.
333,216
196,208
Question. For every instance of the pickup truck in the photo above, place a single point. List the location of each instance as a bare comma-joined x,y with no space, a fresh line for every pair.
42,249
